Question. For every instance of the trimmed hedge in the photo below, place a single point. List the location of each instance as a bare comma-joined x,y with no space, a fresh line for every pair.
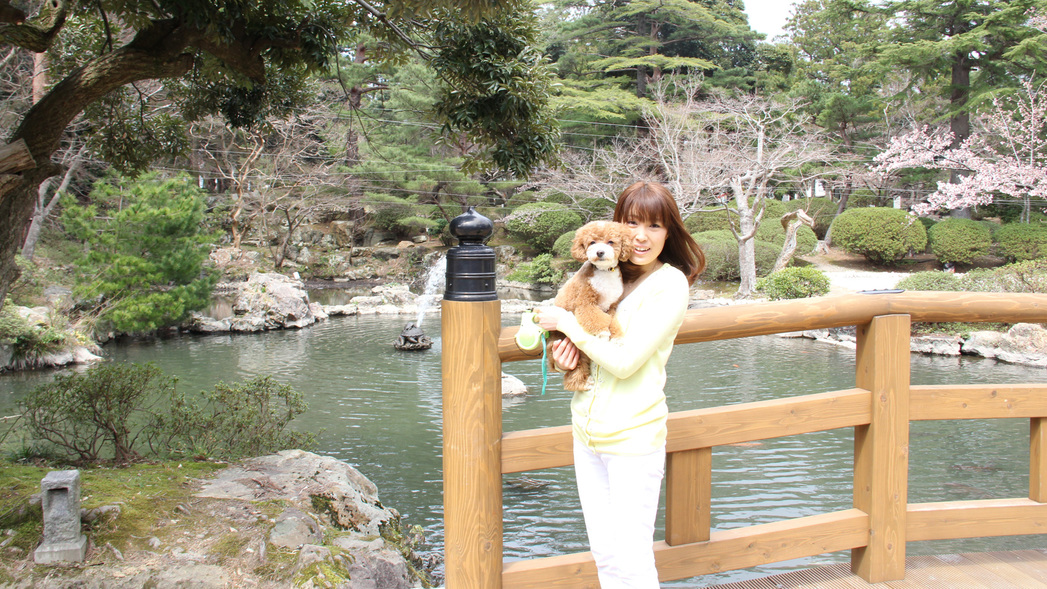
539,224
959,240
794,283
934,280
882,235
1019,242
721,255
1029,276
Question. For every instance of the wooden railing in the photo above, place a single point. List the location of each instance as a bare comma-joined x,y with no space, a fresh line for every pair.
879,408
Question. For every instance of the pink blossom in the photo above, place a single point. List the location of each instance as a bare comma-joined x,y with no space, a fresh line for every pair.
1009,158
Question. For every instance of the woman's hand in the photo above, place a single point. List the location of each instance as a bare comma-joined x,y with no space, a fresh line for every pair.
549,317
565,354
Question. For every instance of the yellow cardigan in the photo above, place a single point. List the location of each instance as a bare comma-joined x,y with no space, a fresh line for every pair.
624,412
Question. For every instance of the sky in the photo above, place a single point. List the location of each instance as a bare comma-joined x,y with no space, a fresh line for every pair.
768,16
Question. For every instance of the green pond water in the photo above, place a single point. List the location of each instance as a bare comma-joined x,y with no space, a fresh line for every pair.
379,410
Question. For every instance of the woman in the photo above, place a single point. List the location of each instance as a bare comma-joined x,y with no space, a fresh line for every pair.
619,423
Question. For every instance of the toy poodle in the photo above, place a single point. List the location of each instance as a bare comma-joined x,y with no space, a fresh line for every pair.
593,292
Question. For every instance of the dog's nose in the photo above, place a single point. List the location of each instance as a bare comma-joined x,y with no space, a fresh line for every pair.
600,254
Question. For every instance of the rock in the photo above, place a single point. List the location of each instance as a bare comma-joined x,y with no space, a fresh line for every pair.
272,300
335,490
104,512
512,386
200,323
982,343
190,576
295,528
941,345
325,493
311,553
1024,343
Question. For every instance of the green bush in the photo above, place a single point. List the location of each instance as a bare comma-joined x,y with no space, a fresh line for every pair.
538,271
794,283
932,280
1018,242
772,231
721,255
236,421
1029,276
29,342
387,211
959,240
539,224
109,408
562,246
882,235
704,221
127,411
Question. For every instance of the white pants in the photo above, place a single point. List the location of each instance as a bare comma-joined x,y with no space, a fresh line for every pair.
619,496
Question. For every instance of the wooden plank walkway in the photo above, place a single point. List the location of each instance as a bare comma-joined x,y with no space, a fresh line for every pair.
1016,569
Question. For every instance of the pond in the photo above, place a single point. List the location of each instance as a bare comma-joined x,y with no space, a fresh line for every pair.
380,410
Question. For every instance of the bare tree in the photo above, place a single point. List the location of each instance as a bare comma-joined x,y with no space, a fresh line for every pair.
726,153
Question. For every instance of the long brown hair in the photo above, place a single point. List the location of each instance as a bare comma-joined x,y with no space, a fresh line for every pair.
650,201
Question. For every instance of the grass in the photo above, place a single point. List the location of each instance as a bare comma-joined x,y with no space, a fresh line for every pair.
146,493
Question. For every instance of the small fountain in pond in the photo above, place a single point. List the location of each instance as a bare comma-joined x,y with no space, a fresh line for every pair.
412,337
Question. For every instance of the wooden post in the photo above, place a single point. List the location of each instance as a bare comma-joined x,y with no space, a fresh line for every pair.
881,449
472,411
688,487
1038,459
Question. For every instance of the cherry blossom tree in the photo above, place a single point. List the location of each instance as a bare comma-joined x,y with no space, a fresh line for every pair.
1008,158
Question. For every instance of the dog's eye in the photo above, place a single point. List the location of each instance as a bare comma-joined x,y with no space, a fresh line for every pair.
610,242
592,242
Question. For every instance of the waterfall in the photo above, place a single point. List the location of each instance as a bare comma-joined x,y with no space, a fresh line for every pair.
434,281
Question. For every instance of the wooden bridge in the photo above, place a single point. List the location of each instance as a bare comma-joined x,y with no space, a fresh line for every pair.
879,408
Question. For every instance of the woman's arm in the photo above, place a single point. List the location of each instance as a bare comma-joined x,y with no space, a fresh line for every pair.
657,319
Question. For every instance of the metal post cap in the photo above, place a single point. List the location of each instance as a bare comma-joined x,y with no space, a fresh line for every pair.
470,264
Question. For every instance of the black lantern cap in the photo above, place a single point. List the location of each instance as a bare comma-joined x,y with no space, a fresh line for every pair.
470,264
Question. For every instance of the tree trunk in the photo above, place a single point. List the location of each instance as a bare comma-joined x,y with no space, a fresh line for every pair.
45,205
791,222
960,122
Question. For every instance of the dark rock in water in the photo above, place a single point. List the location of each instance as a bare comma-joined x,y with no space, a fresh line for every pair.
413,338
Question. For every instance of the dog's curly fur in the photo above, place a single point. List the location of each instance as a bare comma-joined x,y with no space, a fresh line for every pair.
592,293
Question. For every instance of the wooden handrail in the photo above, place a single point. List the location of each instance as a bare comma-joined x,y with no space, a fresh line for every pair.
879,408
747,320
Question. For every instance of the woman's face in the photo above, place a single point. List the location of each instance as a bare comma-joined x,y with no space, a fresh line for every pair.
648,240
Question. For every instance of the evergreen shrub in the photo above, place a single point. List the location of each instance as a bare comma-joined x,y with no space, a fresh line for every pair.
539,270
721,255
703,221
387,211
794,283
934,280
959,240
562,246
539,224
882,235
1019,242
125,412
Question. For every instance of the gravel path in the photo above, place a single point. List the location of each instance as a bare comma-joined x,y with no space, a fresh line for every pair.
846,280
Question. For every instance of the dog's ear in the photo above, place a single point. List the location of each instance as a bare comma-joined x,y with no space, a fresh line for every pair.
580,244
626,236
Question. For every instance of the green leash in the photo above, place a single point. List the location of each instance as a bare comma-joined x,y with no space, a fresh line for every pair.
530,336
545,365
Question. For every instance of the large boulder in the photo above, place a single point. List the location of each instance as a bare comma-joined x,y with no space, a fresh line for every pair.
326,491
271,301
1024,343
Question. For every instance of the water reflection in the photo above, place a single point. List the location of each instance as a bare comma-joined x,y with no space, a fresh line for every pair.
380,410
